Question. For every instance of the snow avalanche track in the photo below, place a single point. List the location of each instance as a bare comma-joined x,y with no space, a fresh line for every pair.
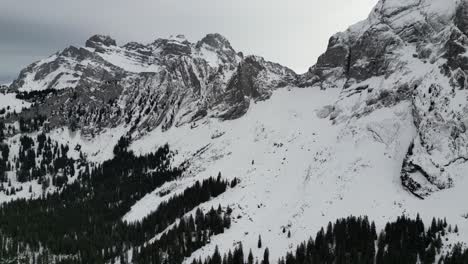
299,171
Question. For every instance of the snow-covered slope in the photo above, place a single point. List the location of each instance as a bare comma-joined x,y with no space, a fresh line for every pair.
10,104
300,171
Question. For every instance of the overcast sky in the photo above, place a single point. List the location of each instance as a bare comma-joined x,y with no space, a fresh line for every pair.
291,32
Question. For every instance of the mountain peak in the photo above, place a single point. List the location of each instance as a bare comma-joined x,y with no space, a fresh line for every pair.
100,40
216,41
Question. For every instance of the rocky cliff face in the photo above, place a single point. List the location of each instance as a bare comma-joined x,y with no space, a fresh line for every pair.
413,51
165,83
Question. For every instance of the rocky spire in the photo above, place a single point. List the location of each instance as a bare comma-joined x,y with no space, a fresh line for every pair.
100,40
216,41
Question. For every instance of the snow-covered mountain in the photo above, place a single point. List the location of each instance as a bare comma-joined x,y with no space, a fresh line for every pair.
165,83
377,127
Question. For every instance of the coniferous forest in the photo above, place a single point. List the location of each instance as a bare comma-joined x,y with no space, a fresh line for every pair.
81,220
355,240
81,223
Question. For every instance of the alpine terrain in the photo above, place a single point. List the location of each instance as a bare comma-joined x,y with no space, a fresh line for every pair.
181,152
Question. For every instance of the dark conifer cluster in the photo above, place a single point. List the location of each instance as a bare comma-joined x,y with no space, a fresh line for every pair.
179,205
234,257
353,241
190,234
407,241
36,159
457,256
82,223
36,95
48,158
31,124
4,154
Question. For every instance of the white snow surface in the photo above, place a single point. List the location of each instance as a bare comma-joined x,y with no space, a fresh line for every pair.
299,171
63,77
11,104
123,59
97,149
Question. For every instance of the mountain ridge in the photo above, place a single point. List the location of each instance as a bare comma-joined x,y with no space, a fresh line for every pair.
199,79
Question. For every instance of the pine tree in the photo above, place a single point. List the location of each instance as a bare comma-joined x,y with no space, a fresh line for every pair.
216,257
433,228
373,230
259,244
230,258
430,255
238,256
266,257
250,258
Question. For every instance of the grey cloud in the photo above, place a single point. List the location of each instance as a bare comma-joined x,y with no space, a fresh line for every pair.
23,42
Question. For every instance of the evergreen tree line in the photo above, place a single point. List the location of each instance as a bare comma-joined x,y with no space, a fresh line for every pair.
457,256
234,257
179,205
2,131
4,153
185,238
88,209
354,241
29,125
37,160
35,95
83,220
407,241
40,160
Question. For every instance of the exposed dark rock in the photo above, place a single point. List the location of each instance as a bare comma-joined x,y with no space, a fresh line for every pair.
97,41
461,17
455,48
216,41
335,56
171,47
409,169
